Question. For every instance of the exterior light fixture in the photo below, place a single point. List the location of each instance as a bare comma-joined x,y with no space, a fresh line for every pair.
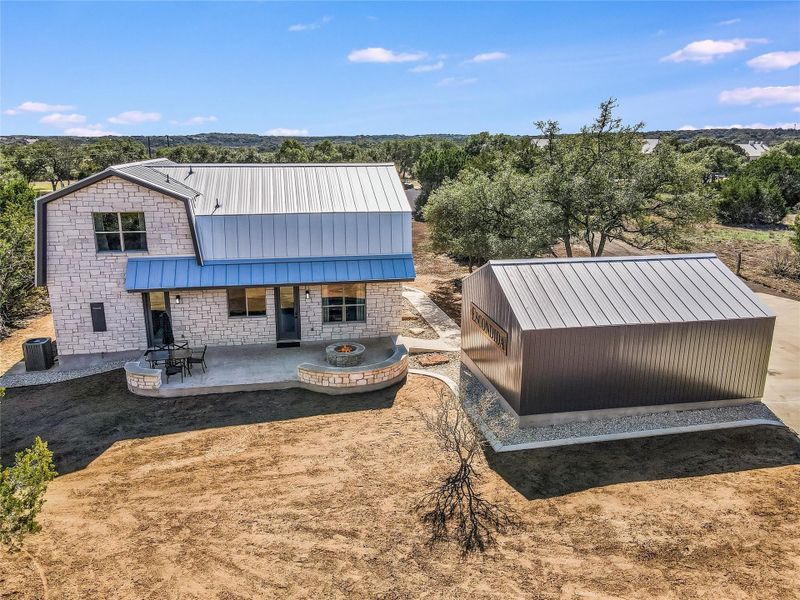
308,295
178,299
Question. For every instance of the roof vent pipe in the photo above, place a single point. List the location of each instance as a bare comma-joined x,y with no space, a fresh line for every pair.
168,179
190,170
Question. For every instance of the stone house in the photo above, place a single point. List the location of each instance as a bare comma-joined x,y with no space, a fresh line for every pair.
233,254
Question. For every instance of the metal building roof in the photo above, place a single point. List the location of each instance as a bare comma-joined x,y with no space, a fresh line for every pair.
149,175
754,149
581,292
184,272
258,189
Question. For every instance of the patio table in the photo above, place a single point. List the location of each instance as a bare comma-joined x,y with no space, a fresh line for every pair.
156,356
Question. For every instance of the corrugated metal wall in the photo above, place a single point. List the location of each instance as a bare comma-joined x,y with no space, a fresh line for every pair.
304,235
593,368
503,370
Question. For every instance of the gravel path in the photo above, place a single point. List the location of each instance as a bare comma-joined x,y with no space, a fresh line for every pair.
451,369
55,375
504,433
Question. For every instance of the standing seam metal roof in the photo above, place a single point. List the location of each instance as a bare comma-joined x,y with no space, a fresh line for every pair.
563,293
289,188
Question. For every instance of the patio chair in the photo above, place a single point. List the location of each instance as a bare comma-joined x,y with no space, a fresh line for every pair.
174,367
198,357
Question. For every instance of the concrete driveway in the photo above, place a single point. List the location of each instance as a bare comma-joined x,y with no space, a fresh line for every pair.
782,393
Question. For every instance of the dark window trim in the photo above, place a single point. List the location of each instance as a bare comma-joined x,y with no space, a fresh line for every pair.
247,314
343,305
120,232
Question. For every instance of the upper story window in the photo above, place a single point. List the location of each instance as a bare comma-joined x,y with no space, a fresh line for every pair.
120,232
247,302
344,302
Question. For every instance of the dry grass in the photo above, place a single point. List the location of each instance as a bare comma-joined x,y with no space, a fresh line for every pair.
11,346
294,494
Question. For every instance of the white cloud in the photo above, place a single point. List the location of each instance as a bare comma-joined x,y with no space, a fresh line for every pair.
95,130
796,109
729,22
762,96
437,66
310,26
134,116
382,55
449,81
488,57
38,107
775,61
705,51
752,126
687,128
196,120
62,120
286,131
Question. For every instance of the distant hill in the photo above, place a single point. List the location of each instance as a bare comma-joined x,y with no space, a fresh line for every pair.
271,143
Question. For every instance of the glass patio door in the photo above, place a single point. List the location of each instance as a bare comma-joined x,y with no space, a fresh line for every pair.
287,312
156,306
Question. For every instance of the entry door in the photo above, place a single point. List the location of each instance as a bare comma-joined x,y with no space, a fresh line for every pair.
156,304
287,312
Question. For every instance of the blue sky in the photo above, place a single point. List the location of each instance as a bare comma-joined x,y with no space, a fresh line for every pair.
411,68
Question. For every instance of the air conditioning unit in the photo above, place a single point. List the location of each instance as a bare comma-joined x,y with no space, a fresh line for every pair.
38,353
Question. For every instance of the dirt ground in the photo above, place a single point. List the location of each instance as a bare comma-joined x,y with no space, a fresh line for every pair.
11,346
413,320
294,494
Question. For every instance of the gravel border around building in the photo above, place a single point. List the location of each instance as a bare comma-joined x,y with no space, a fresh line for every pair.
451,369
504,434
55,375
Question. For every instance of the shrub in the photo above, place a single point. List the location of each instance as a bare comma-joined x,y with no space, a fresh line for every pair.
22,489
747,199
784,262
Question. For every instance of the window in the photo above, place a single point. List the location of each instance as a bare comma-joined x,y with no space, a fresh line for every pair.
247,302
120,232
344,302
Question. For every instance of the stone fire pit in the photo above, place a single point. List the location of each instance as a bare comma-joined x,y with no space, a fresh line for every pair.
344,354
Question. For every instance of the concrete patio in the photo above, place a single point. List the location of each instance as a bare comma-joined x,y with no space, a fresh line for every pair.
263,366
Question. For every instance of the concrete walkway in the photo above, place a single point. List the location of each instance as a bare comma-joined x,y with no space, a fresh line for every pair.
449,332
782,392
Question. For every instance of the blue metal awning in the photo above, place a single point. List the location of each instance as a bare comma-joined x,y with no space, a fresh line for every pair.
184,273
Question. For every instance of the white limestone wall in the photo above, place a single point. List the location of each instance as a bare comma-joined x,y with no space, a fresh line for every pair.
77,274
384,313
202,318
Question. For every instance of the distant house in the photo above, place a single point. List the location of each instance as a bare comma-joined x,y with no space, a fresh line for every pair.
754,150
649,145
233,254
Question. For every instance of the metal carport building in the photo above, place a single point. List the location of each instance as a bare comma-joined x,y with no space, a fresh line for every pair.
571,339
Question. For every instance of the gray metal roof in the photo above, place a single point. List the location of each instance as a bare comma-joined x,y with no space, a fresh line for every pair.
597,292
754,149
289,188
149,175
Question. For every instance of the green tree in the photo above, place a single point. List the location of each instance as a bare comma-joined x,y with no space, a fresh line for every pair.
108,151
783,169
746,199
291,151
325,152
605,189
26,160
435,165
22,489
19,298
61,161
479,218
796,235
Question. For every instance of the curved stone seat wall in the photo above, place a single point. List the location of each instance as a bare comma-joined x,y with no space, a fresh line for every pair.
333,380
142,380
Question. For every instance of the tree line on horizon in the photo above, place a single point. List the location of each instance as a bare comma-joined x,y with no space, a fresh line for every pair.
487,196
